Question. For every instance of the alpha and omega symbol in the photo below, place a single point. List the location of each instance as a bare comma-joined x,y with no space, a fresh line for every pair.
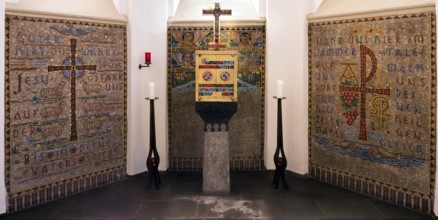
350,87
380,106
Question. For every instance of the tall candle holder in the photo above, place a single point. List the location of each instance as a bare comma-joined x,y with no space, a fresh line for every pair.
153,159
280,160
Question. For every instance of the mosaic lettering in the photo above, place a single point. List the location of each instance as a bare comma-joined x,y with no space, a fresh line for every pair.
372,92
66,101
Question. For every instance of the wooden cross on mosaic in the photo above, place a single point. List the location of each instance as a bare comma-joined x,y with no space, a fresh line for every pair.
363,89
217,12
72,70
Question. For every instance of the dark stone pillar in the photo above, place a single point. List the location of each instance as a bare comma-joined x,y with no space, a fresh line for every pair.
216,164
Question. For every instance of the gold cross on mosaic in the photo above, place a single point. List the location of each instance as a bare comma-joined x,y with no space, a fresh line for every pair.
217,12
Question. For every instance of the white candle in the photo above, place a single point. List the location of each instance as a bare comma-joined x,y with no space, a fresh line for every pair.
279,88
151,90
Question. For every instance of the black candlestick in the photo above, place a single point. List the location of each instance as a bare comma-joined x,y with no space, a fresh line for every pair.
153,159
280,160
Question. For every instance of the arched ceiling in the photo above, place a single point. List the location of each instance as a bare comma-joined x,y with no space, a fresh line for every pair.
191,10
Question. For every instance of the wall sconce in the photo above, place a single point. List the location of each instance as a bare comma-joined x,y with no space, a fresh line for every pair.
147,60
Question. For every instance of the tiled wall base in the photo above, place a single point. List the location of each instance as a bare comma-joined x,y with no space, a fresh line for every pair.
62,189
379,190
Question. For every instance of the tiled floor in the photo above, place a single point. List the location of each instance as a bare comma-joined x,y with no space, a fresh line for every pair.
252,197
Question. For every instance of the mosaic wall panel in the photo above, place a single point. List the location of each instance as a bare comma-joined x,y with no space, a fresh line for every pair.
65,107
186,135
372,103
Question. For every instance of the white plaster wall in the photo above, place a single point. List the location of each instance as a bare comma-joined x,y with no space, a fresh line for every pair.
172,6
260,7
121,6
314,5
256,4
329,8
95,9
147,30
286,59
191,10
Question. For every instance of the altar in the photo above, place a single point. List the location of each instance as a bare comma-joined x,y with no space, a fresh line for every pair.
216,103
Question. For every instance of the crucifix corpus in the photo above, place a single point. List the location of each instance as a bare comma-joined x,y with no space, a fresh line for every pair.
217,12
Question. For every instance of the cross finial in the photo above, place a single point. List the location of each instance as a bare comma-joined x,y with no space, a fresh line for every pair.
217,11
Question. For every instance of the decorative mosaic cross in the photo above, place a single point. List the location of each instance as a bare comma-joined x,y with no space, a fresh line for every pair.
217,11
363,89
72,69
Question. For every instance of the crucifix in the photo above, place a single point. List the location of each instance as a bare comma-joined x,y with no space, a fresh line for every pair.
217,11
363,89
72,68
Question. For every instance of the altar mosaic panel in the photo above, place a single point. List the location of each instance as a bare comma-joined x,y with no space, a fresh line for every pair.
372,104
186,134
65,107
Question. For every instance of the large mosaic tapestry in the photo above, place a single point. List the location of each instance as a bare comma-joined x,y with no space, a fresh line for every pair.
65,107
186,134
372,103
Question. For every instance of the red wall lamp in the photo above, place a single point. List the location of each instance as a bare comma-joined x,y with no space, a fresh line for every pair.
147,60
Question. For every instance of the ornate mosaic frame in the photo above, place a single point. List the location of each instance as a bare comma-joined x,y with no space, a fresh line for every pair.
43,164
186,136
355,160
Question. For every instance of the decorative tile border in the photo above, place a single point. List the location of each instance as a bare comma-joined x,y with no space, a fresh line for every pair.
62,189
379,190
